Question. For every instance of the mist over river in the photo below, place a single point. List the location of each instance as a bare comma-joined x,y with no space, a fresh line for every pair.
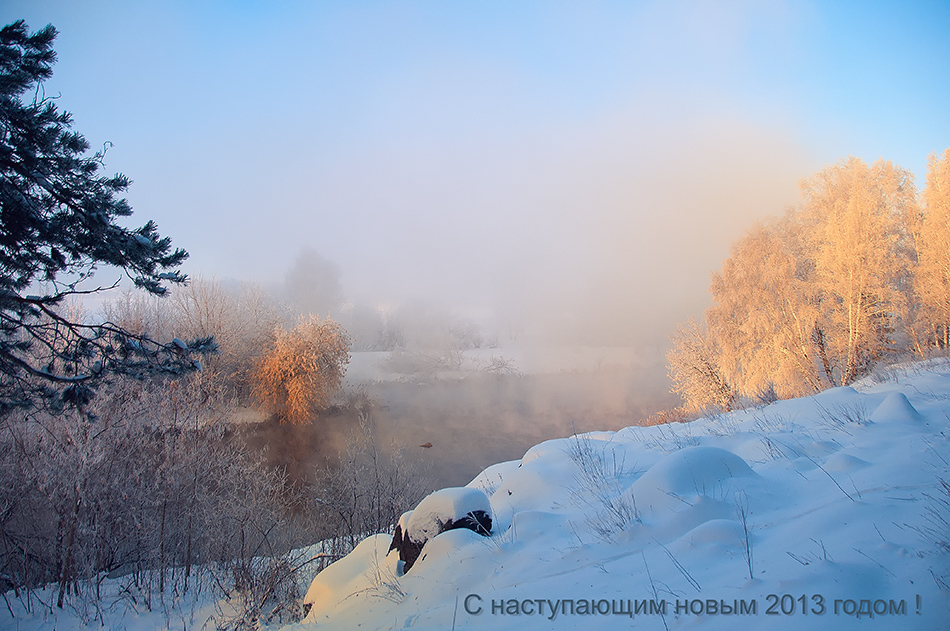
449,425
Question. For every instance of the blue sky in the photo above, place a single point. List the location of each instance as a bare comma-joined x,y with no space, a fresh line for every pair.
589,159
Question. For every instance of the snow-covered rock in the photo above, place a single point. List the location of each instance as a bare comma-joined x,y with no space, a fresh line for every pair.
441,511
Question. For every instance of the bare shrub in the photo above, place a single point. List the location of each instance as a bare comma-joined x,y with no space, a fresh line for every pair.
367,493
936,531
840,416
722,425
674,437
146,484
672,415
742,512
423,365
499,365
601,486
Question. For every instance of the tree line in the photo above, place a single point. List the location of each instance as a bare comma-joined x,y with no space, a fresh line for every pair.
857,274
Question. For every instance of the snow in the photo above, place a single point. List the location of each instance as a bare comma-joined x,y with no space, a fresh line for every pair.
117,611
684,477
348,575
403,522
825,499
811,510
896,408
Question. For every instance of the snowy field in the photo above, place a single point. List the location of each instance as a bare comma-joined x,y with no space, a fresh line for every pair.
824,512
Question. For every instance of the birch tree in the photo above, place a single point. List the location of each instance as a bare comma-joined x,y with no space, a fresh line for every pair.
932,280
857,235
814,299
764,313
694,366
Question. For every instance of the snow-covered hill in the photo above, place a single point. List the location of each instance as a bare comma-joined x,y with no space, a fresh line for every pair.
824,512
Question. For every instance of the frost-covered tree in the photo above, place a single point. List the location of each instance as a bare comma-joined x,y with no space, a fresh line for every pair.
155,488
932,280
814,299
694,364
305,366
856,232
764,313
241,319
58,223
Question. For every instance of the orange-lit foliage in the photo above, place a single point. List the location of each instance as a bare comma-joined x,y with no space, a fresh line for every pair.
816,298
304,368
933,273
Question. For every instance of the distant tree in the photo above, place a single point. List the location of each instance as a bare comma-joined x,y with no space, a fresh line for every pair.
303,369
932,280
313,284
57,225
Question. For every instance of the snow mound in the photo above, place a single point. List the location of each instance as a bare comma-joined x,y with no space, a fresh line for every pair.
895,408
345,577
543,449
722,532
845,462
446,547
531,525
691,472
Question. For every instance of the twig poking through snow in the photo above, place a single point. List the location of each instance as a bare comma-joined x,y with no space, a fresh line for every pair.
742,509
